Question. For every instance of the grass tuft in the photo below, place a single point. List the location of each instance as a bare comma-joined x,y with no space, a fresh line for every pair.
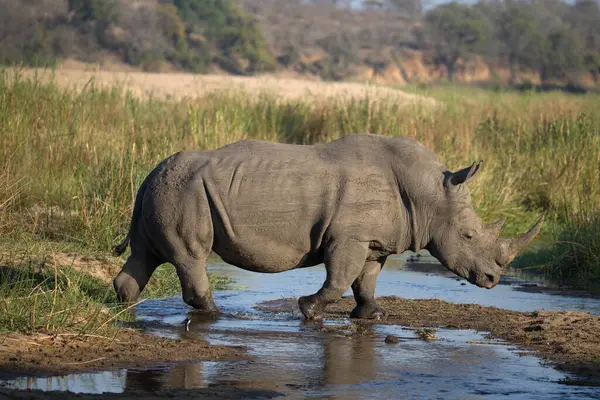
42,299
165,283
573,256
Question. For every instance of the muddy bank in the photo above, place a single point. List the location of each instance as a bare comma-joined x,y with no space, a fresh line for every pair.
570,340
210,393
63,354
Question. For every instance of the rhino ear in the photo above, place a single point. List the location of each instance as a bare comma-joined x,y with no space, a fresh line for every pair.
464,175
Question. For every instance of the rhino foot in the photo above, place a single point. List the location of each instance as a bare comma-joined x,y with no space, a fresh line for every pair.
311,307
368,311
203,305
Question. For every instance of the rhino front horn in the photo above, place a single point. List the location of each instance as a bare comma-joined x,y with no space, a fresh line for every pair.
511,247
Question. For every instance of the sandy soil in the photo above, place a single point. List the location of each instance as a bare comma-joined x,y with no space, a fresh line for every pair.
41,354
186,85
570,340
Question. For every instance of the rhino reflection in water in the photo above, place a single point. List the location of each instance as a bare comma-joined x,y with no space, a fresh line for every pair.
271,207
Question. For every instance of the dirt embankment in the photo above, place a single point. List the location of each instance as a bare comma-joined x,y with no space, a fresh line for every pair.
570,340
69,353
209,393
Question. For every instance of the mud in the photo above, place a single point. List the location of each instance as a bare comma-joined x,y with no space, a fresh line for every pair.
219,392
569,340
63,354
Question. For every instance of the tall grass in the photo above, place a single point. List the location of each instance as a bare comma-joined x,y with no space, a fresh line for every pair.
45,295
573,255
165,283
71,161
52,299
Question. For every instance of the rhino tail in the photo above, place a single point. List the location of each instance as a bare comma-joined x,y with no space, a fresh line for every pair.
120,248
137,209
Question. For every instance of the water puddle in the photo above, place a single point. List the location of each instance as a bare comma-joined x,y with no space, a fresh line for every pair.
303,360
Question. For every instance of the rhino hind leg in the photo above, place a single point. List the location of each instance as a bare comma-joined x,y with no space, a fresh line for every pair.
343,263
364,292
134,275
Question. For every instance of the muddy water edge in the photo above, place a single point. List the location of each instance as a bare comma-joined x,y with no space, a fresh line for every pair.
469,352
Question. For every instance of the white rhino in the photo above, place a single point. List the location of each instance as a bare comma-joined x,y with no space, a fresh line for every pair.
272,207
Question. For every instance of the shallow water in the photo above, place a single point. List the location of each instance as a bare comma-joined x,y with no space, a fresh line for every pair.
294,357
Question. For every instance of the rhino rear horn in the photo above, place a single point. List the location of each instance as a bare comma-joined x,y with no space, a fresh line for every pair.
496,227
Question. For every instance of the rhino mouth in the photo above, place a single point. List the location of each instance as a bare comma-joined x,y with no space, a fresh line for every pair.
487,281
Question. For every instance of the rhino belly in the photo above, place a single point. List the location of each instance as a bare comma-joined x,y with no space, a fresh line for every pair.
266,251
269,213
270,234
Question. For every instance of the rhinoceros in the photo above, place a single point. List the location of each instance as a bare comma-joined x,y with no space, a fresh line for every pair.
272,207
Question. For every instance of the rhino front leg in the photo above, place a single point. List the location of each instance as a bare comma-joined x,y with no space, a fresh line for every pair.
195,285
343,263
364,292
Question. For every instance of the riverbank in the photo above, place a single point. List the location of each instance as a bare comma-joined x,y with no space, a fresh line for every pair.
443,346
567,339
62,354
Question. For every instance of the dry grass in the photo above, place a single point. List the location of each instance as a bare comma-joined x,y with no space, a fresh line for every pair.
179,86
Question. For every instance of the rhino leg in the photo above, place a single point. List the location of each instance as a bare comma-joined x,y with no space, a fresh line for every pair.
195,285
343,263
364,292
134,275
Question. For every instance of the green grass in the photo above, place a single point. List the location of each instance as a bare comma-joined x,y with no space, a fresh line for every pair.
573,255
165,283
48,299
71,161
39,294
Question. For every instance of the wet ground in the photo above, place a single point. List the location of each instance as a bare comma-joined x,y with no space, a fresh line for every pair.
337,359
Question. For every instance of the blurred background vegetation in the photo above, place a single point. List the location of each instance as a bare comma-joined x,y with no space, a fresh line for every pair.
494,41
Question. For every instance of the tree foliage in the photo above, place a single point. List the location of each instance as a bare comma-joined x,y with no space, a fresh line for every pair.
94,10
518,33
238,38
559,40
455,31
188,34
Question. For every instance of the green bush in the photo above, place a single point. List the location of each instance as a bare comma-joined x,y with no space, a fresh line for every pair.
94,10
239,43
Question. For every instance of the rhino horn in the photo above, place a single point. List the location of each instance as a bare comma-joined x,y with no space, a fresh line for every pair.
509,248
496,227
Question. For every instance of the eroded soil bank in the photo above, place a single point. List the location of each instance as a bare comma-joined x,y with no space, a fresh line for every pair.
41,354
570,340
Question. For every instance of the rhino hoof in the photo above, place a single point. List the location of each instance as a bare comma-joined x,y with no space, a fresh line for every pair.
368,311
203,305
311,307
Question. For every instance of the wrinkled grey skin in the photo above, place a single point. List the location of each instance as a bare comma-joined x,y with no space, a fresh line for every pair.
269,207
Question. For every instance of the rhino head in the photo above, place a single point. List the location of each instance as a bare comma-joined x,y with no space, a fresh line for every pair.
462,243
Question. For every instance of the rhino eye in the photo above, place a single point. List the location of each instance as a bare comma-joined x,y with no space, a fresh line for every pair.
468,234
